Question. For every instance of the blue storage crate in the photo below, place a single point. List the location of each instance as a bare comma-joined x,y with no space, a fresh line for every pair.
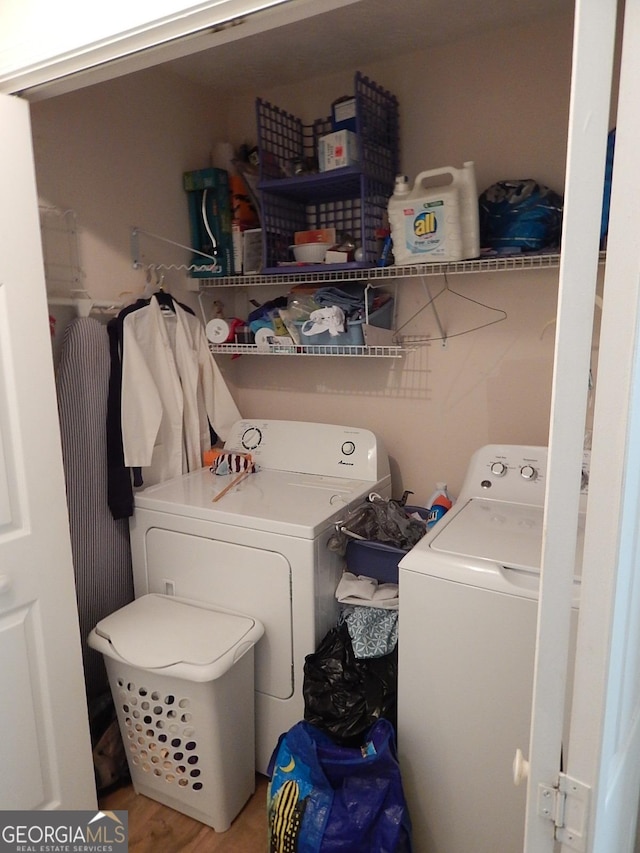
352,199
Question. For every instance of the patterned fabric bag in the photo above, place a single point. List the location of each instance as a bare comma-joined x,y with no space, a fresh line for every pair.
327,798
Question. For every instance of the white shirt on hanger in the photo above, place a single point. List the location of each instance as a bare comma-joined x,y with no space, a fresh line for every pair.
171,388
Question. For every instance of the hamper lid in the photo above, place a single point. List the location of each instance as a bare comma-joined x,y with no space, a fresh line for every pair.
158,631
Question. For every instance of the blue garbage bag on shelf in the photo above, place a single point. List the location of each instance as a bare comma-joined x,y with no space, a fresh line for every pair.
324,797
520,216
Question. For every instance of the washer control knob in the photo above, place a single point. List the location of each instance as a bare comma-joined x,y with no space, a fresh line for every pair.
348,448
498,469
528,472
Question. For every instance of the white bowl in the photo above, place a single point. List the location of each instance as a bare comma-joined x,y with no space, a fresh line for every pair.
310,253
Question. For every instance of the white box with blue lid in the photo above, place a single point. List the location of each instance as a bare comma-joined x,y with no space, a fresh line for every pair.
182,678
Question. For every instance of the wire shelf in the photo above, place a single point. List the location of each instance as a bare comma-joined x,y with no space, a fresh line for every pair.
341,351
478,265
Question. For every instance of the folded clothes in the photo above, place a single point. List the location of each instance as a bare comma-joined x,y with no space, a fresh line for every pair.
350,299
359,589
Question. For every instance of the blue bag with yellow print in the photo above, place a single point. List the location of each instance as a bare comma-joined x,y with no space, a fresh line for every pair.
327,798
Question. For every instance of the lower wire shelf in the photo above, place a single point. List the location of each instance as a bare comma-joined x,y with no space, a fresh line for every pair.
304,350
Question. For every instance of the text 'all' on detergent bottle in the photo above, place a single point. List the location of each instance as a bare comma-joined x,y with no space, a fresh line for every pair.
435,223
438,504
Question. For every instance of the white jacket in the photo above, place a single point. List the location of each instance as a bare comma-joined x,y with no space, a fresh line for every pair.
170,385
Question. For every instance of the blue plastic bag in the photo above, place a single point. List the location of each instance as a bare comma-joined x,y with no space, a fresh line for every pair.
520,216
328,798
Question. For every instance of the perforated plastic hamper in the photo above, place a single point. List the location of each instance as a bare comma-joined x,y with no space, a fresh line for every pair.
181,674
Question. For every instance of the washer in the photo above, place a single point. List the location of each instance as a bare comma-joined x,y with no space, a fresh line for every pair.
261,548
468,611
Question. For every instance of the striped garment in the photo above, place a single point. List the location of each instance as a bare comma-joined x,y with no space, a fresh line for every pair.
100,544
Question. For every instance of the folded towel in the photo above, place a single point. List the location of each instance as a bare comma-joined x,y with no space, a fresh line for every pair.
359,589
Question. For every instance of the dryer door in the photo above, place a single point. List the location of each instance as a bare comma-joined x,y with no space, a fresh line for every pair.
248,580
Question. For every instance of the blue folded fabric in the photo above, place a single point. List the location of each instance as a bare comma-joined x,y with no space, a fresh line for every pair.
349,298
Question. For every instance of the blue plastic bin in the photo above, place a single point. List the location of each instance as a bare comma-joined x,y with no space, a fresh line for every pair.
377,559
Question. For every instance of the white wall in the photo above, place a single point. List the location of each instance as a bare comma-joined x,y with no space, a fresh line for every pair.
115,153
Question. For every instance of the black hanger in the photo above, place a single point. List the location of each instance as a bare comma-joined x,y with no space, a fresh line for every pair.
165,300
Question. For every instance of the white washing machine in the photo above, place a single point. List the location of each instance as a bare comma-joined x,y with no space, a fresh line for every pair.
468,611
261,548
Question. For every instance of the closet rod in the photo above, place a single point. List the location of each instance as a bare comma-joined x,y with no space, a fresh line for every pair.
84,305
135,252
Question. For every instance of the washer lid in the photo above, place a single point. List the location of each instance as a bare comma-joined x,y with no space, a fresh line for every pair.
506,533
157,631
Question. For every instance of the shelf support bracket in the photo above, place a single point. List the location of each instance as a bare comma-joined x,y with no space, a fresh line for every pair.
432,303
135,251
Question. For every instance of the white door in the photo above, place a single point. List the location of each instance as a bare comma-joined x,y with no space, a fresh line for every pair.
602,758
45,751
604,749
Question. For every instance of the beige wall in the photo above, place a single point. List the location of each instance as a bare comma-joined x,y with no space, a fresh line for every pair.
115,153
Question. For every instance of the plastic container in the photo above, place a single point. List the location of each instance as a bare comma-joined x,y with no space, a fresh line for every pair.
378,559
438,504
182,679
435,223
354,334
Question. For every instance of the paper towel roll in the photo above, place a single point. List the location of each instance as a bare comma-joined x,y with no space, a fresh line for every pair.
217,331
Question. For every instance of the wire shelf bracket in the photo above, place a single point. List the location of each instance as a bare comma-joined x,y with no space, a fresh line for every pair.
138,263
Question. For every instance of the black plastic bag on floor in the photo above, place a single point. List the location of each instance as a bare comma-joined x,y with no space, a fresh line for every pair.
345,695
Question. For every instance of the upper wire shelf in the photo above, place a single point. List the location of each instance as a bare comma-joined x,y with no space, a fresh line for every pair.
479,265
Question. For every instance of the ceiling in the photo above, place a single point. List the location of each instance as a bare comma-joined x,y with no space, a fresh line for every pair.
346,37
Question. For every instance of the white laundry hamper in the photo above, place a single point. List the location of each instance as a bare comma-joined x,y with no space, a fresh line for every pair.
182,678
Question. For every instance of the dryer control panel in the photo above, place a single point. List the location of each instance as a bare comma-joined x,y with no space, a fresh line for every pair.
311,448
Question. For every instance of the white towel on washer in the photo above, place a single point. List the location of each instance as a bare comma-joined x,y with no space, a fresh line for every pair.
359,589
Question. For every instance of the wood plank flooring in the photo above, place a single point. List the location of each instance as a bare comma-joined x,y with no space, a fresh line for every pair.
154,828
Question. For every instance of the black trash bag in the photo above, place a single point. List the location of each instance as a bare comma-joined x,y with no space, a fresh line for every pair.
345,695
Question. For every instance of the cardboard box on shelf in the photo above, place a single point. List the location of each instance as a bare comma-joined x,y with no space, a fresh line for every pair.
210,220
338,149
252,251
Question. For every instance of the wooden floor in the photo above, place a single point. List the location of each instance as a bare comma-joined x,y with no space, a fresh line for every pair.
154,828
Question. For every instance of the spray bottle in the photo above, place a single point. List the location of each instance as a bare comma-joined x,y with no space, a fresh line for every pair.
438,504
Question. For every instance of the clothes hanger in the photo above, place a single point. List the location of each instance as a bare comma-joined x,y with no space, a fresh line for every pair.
164,299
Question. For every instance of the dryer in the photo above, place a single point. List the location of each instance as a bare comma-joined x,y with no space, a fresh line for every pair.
468,613
261,548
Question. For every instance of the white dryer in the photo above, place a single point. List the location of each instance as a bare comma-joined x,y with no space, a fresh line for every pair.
468,612
261,549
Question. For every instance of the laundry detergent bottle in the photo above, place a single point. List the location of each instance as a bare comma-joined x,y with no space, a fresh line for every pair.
438,504
435,223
